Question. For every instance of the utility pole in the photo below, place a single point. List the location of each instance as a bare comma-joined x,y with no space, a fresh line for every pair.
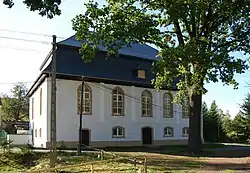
53,157
80,124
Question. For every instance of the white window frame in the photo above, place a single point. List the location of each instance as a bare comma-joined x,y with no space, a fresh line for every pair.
87,90
117,102
146,104
117,129
185,131
185,109
168,105
169,129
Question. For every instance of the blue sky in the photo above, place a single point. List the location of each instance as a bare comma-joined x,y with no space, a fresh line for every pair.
23,65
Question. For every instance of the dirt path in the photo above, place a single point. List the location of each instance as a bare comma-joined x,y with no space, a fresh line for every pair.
201,164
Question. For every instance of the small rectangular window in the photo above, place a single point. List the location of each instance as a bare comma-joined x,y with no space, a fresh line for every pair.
32,108
40,132
185,131
35,132
41,100
141,74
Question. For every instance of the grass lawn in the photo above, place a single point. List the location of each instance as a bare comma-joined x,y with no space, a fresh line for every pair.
164,159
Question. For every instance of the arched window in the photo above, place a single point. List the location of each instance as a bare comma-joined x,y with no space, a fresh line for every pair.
87,99
118,132
185,109
168,105
168,132
117,101
146,103
185,131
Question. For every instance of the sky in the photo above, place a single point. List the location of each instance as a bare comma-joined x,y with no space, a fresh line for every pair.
20,60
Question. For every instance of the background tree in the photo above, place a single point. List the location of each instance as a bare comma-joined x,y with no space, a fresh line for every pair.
227,127
48,8
213,123
194,38
16,106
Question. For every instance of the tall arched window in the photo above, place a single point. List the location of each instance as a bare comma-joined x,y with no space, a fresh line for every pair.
117,101
87,99
146,103
168,105
185,109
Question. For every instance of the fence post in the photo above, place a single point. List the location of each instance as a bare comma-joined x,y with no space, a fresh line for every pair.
102,154
92,168
134,164
145,165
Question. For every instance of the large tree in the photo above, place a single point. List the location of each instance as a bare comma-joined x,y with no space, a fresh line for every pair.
195,39
16,105
48,8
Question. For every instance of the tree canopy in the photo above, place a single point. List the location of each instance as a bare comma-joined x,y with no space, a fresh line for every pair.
16,105
195,39
48,8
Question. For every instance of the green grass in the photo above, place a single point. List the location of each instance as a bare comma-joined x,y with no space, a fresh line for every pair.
160,159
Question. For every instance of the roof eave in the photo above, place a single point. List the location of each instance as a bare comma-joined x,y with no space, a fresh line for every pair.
37,83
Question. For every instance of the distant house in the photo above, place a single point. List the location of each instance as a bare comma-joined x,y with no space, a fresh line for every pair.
121,106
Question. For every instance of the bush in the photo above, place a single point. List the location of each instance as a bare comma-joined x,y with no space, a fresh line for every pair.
6,145
61,146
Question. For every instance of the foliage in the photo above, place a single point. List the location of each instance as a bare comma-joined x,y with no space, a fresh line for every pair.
61,146
195,41
238,129
48,8
16,106
6,145
212,123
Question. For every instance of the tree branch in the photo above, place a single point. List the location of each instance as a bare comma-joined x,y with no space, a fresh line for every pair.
178,32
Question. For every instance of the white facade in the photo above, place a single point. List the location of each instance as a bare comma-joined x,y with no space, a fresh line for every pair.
101,121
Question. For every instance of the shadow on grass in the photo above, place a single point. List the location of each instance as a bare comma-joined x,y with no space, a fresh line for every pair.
208,150
185,164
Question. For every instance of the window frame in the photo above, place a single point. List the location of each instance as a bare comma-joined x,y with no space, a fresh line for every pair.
120,92
185,109
185,129
41,101
148,108
32,108
35,133
140,71
79,88
117,131
40,132
167,128
168,96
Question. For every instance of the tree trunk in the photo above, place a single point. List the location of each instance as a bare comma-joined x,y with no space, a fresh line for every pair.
194,139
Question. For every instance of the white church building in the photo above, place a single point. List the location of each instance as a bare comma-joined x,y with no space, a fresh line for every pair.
120,105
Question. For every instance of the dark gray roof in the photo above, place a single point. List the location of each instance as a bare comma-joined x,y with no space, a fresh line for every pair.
137,50
122,68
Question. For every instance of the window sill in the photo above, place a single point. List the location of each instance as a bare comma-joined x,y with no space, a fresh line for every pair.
117,115
166,136
118,136
167,117
86,113
147,116
184,117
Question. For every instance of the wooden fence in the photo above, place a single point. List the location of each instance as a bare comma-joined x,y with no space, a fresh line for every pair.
135,162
